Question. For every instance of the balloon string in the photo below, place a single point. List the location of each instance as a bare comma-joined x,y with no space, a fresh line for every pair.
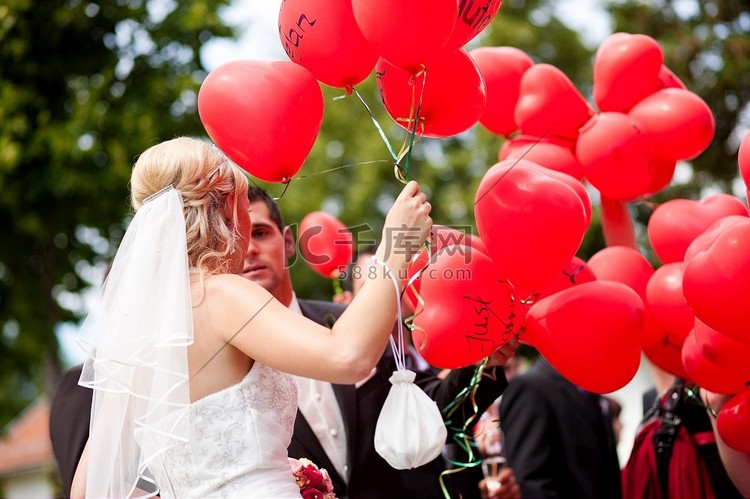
329,170
462,436
377,125
414,120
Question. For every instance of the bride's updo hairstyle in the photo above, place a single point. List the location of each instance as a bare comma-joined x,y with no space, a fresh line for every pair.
204,177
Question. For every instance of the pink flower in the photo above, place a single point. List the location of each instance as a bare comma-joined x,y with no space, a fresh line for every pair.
313,482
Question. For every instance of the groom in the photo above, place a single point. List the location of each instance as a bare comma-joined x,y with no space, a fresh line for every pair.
335,425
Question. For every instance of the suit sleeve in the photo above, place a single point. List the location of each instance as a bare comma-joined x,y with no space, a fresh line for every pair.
528,424
444,391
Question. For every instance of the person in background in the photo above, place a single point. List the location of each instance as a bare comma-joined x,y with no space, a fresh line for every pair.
335,425
558,439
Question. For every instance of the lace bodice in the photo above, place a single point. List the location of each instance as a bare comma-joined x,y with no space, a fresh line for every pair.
238,442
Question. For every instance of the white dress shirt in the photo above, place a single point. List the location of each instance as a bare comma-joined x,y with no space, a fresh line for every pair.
318,404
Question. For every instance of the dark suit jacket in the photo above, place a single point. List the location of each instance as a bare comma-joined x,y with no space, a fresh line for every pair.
557,439
69,424
370,475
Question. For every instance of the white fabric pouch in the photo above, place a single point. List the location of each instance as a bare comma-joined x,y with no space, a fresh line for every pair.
410,430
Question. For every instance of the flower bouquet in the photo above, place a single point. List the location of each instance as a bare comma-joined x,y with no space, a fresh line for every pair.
313,482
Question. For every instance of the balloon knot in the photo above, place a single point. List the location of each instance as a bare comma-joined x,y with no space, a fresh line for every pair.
349,89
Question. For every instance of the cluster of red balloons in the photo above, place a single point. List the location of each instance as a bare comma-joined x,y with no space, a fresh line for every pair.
479,296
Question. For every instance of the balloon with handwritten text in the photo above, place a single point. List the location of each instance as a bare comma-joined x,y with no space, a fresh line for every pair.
468,311
324,38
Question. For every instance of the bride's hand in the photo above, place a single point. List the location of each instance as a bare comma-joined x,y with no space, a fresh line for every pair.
406,227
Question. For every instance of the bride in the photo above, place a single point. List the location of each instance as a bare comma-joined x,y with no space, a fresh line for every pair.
187,359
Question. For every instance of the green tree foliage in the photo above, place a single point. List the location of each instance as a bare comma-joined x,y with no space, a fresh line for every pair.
84,87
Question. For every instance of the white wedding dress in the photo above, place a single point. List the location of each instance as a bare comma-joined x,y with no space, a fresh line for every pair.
238,442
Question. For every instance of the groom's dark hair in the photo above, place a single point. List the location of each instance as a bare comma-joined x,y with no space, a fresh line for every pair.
255,193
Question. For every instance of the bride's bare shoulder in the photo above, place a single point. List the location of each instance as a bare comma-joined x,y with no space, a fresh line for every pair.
229,288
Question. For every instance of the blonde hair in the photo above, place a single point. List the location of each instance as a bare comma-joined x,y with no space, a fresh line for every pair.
205,178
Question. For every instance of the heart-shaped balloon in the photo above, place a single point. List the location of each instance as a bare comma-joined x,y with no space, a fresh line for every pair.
442,237
614,153
270,130
705,373
519,210
473,17
407,34
676,223
550,153
679,122
730,354
501,69
667,356
622,264
667,79
589,333
450,95
662,171
713,230
734,420
576,272
468,311
716,283
665,300
626,69
549,105
326,243
324,38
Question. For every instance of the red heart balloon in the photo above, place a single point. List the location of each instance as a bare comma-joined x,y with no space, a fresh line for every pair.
667,79
450,93
324,38
550,153
326,244
518,210
734,420
589,333
662,171
679,122
665,300
716,283
549,105
468,312
730,354
705,373
270,130
614,153
626,70
676,223
442,237
622,264
473,17
743,159
574,273
502,69
667,355
707,236
630,267
406,34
